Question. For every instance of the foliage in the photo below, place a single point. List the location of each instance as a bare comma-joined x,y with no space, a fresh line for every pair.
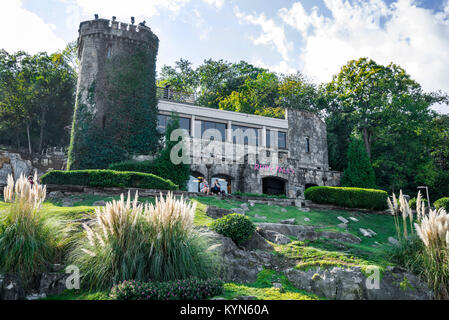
127,125
188,289
383,105
442,203
162,166
238,227
142,242
348,197
108,178
28,240
412,202
428,257
360,173
36,99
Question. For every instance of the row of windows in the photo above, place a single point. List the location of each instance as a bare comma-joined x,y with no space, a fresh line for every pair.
250,137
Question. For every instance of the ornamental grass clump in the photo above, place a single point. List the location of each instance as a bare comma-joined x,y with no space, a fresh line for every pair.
132,241
28,239
425,249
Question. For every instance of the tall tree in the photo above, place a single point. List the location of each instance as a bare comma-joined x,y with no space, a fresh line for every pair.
360,173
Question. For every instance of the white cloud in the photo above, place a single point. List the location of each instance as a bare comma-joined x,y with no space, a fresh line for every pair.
272,34
216,3
24,30
282,68
413,37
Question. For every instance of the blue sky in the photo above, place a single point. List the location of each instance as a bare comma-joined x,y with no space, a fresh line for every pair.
315,37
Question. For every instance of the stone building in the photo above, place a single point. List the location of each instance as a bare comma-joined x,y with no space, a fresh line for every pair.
300,154
251,154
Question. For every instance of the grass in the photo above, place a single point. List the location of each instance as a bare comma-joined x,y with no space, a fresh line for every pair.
323,252
263,288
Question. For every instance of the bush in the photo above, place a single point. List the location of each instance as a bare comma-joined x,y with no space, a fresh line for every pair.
442,203
28,240
144,243
412,203
348,197
189,289
108,178
235,226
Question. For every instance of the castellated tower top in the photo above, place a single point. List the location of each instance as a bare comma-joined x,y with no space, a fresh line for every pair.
112,30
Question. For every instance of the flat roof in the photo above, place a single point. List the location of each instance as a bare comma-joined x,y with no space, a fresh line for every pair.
221,115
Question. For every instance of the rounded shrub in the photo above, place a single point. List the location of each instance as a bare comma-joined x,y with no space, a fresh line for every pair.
371,199
235,226
188,289
442,203
108,179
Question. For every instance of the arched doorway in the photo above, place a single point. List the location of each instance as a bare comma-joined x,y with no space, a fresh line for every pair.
194,183
224,181
273,186
309,185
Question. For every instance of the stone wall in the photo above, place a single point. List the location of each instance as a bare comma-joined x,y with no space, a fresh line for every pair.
16,163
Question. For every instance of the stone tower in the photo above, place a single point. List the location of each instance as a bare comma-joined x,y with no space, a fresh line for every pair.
105,46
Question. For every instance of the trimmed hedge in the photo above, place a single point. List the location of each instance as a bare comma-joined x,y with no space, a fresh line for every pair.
348,197
108,178
238,227
190,289
442,203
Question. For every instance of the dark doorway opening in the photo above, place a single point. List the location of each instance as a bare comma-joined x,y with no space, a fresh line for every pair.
273,186
309,185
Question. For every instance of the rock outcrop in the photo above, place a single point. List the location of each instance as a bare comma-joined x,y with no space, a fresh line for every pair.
352,284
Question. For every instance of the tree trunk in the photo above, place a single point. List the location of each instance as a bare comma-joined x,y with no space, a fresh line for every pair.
29,139
41,134
367,140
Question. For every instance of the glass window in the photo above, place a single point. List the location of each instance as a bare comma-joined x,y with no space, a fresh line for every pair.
221,127
307,144
247,133
163,120
282,139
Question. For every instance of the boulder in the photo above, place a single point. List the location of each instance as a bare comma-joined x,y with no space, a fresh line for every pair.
244,206
257,242
352,284
238,264
343,219
52,283
365,233
300,232
275,237
304,209
11,288
12,163
217,213
283,210
306,219
354,219
393,241
238,210
260,217
100,203
55,195
289,221
343,226
345,237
